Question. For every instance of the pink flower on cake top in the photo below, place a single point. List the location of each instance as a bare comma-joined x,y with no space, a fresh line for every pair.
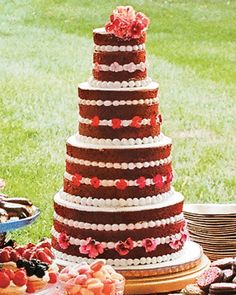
126,23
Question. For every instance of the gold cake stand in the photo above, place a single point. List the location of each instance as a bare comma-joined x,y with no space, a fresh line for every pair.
168,278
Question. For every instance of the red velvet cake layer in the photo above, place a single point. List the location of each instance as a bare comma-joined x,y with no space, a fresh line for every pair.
121,217
121,58
102,94
110,39
121,112
119,155
119,76
112,254
115,236
122,132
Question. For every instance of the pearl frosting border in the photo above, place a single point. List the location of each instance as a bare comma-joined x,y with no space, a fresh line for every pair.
117,84
118,227
116,67
123,141
174,198
130,202
121,262
116,103
123,165
122,48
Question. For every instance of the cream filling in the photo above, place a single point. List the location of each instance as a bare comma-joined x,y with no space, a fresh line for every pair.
114,202
172,199
123,166
115,103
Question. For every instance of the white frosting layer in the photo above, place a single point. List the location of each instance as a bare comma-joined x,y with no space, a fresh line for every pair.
122,263
116,67
150,86
159,140
118,227
122,48
130,202
123,123
116,103
112,245
112,182
170,200
123,166
117,84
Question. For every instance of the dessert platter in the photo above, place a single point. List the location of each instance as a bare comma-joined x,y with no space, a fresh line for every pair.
16,213
117,201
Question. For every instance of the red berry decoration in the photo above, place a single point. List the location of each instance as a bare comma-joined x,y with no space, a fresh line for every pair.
14,255
9,272
95,121
160,118
30,288
141,181
95,182
4,280
116,123
43,256
20,278
52,277
153,120
121,184
4,256
76,179
136,122
158,181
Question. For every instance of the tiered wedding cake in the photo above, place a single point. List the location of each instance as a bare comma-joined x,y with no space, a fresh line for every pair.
117,202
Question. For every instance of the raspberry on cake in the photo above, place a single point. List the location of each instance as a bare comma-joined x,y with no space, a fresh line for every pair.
117,202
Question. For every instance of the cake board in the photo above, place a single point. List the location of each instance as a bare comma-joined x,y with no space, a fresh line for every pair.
170,278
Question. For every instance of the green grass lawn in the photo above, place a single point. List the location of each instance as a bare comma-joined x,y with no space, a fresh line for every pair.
46,50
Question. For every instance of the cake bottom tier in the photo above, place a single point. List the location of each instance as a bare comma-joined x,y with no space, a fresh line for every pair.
128,236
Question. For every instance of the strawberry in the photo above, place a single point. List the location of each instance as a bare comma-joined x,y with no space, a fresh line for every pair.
52,277
48,252
20,278
30,288
4,280
27,254
30,245
9,272
14,255
20,250
44,244
4,256
8,248
43,256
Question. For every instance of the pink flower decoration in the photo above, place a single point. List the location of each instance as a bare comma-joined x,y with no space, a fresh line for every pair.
184,233
115,67
141,181
136,122
121,184
2,184
95,121
63,240
116,123
149,244
123,248
158,181
76,179
125,23
95,182
91,248
175,243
